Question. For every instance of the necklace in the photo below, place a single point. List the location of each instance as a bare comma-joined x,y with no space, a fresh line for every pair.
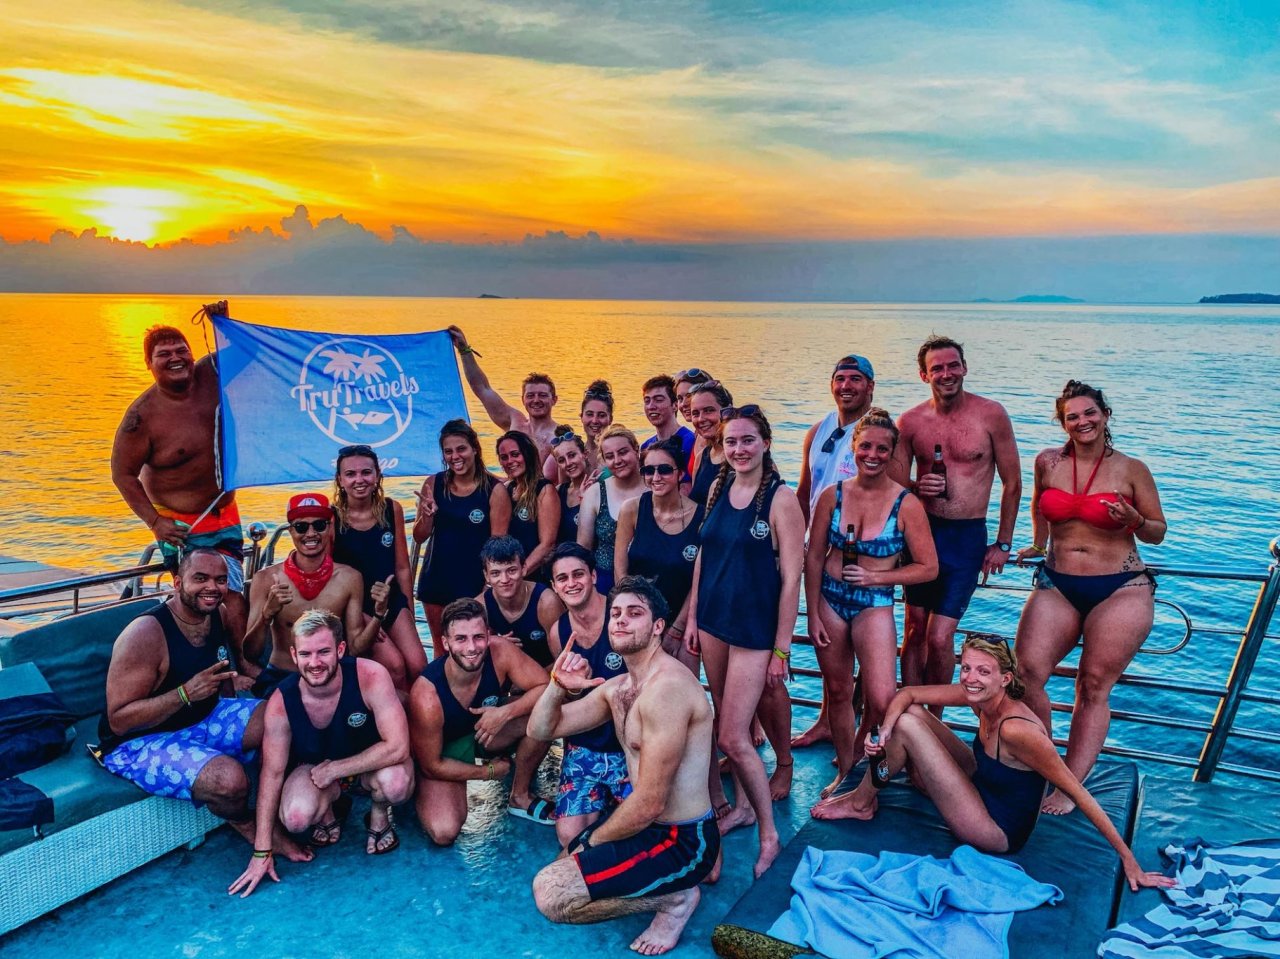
189,622
680,518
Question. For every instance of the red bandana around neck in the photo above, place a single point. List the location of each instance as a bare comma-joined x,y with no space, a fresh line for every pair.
308,584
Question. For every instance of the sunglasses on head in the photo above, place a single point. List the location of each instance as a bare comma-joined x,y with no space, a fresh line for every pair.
693,373
562,438
729,412
301,526
662,469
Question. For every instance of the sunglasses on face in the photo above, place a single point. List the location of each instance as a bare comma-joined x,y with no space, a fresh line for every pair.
730,412
836,436
662,469
302,526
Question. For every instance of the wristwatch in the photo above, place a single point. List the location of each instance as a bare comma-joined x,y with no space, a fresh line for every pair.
1004,547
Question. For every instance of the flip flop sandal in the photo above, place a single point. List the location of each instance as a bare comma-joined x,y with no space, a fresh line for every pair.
377,835
539,811
327,833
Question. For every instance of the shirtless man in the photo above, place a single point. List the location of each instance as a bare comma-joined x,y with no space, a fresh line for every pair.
853,385
517,609
662,840
457,715
308,579
333,725
171,725
163,461
977,441
538,394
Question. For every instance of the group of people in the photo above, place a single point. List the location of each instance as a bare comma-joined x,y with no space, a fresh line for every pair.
581,598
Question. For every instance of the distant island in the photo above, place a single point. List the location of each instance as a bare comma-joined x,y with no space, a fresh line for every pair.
1241,298
1033,299
490,296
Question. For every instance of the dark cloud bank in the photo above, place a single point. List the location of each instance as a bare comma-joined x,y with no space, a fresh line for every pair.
336,257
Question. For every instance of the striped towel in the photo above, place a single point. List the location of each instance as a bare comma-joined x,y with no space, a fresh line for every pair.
1228,905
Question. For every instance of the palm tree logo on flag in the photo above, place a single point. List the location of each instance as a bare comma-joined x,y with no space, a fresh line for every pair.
356,391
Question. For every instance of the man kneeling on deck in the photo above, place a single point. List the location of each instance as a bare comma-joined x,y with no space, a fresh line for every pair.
650,854
171,726
457,715
334,725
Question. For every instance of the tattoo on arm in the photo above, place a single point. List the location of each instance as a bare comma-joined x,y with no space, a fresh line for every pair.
132,421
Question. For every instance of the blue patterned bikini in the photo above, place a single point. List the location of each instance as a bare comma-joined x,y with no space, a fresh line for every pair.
846,599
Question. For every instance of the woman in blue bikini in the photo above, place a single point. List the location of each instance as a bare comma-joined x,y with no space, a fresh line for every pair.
851,607
989,794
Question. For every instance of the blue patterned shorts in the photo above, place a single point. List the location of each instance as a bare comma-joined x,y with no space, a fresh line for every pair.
167,764
590,781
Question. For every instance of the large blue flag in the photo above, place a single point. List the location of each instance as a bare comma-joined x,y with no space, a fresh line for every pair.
292,398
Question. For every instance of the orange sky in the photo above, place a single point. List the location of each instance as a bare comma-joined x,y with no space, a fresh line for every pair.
154,121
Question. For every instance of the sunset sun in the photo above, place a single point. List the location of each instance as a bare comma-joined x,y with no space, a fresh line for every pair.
132,213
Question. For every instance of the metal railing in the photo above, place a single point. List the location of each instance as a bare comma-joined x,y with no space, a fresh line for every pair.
1229,696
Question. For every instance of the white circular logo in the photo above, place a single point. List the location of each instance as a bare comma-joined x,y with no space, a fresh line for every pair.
537,636
760,529
222,653
356,720
613,661
476,516
690,553
388,538
355,391
523,514
490,701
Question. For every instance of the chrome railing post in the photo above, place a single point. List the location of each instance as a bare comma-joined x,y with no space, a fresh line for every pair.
1246,656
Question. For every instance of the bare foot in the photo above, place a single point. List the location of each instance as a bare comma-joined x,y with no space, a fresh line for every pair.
757,734
769,849
664,932
780,781
819,732
844,807
291,850
738,816
713,876
830,789
1057,804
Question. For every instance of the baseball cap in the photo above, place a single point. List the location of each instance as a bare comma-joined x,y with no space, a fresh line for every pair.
308,504
853,361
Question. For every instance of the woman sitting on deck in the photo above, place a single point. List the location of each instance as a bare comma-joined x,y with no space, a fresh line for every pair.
1093,582
990,795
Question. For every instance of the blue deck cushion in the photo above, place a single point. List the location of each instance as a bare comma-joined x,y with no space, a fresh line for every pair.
73,653
1065,851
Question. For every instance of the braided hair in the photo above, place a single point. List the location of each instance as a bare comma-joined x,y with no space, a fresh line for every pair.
1074,389
769,474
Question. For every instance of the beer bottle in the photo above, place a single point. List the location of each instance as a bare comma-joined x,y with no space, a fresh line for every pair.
939,468
850,546
879,766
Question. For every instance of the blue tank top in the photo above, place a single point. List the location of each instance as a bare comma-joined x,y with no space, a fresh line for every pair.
890,541
603,662
372,552
524,524
352,729
703,477
666,558
740,586
525,627
458,719
568,531
461,528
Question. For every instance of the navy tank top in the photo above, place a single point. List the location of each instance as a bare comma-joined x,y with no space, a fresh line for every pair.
603,662
703,477
372,552
740,586
666,558
525,627
458,719
524,524
185,660
352,729
461,528
568,531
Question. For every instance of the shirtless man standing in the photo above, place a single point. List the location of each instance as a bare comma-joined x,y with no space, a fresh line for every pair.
334,725
662,840
977,441
163,461
309,579
538,395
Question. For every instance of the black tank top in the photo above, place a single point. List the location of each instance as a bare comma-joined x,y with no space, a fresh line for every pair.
352,729
533,638
458,719
740,586
568,531
703,477
185,660
603,662
665,558
524,524
372,551
461,528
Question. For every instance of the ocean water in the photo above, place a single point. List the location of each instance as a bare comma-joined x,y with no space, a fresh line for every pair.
1193,389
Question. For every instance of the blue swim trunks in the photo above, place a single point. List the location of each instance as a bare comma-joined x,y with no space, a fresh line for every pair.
961,546
167,764
590,781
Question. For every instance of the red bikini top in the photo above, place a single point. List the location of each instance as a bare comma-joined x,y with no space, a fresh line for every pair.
1058,505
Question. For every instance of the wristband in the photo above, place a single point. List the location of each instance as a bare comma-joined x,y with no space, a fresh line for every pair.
782,654
262,854
583,839
488,776
1137,526
152,524
182,695
1038,549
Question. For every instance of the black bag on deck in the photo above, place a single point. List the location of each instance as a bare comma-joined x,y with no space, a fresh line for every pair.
33,730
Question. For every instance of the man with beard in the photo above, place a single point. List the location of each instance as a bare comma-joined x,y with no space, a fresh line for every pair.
309,579
163,461
167,726
853,385
652,851
464,724
333,726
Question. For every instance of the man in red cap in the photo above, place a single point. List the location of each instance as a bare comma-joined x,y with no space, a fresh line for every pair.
308,579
